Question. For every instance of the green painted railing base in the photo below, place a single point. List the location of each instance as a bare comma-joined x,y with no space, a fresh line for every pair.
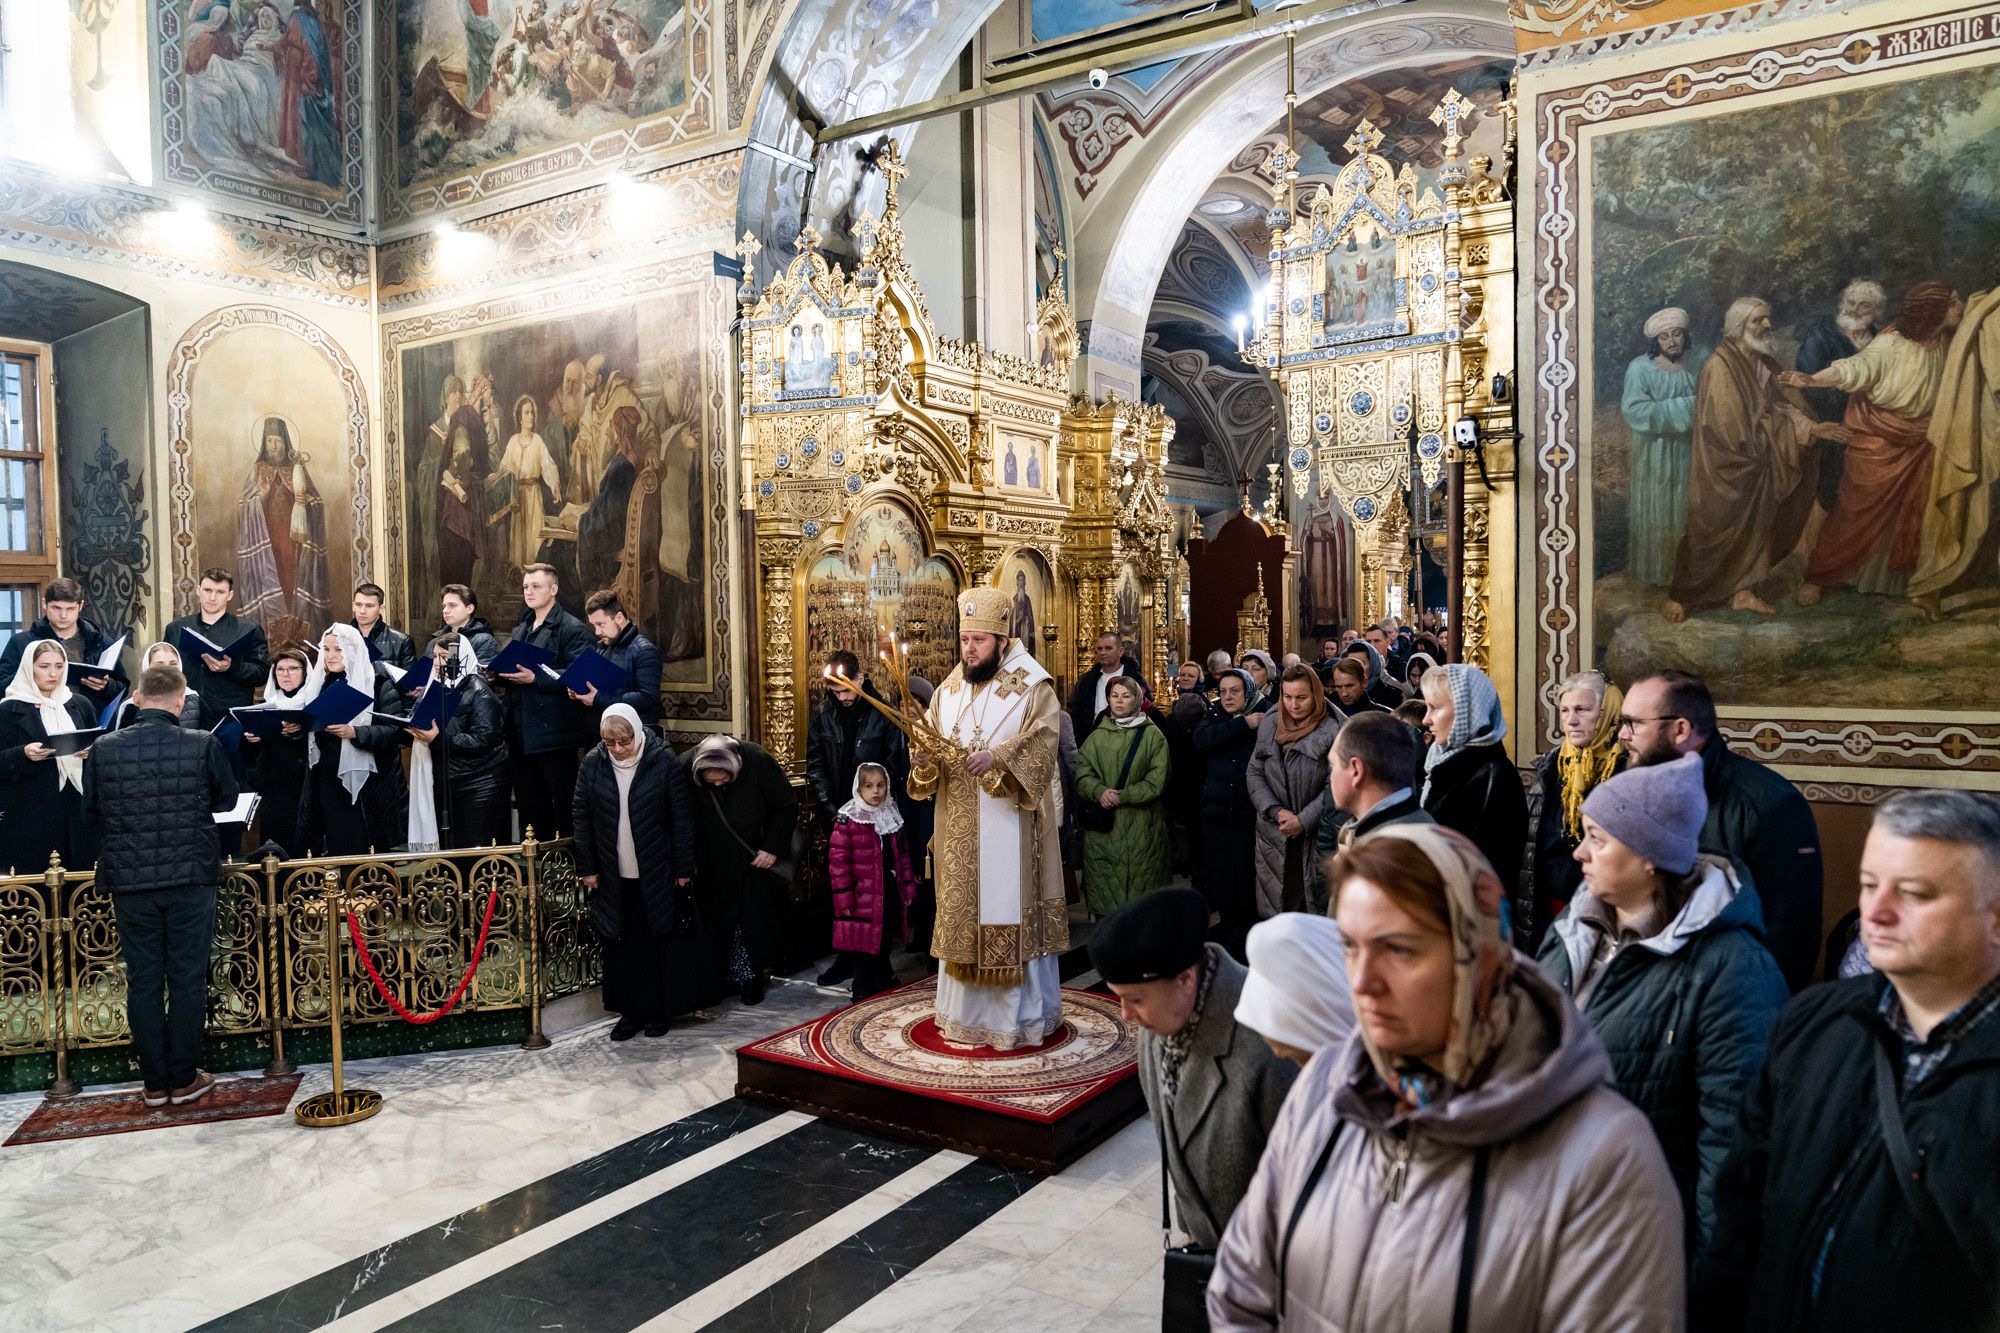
95,1068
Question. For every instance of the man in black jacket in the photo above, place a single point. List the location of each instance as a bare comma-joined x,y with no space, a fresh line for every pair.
1754,815
222,682
1858,1193
384,644
63,620
620,642
1086,701
1372,772
545,727
152,791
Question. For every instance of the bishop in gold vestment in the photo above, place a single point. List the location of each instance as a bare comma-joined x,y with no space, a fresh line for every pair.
1001,919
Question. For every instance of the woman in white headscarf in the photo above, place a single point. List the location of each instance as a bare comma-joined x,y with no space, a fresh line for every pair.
1469,782
41,793
355,795
458,768
280,766
1296,996
635,852
161,654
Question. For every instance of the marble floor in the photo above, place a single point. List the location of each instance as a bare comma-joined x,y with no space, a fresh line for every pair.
588,1186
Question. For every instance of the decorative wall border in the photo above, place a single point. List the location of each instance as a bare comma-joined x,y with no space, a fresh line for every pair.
1558,114
747,29
181,164
112,224
180,458
717,301
1612,34
543,167
559,235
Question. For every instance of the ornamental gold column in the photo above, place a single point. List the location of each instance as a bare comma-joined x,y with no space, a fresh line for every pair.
778,729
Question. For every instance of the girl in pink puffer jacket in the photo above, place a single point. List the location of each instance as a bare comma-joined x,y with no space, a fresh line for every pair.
873,883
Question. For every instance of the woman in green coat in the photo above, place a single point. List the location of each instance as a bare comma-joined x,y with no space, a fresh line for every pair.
1130,860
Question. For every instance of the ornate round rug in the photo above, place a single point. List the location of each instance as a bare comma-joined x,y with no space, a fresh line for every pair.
892,1040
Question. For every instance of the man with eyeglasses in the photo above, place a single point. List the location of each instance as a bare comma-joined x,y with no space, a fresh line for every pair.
1754,815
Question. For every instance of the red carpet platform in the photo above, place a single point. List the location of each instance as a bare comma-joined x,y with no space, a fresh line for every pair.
881,1065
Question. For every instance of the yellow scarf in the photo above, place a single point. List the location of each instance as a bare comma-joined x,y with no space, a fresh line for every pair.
1580,769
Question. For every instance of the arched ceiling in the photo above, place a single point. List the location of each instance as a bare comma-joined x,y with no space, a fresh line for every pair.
1131,223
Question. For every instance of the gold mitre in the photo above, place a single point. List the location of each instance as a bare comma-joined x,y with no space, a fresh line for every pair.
986,611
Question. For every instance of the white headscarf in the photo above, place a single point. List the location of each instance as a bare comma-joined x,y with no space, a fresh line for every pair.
356,764
885,817
53,709
622,772
421,824
1297,990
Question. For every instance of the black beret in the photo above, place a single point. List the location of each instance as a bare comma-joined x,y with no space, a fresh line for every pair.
1156,937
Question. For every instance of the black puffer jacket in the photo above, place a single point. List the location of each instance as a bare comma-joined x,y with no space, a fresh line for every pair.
485,647
1478,791
1225,745
1685,1016
663,828
152,791
475,740
1812,1229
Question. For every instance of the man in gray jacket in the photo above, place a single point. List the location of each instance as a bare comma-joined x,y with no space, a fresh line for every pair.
1213,1088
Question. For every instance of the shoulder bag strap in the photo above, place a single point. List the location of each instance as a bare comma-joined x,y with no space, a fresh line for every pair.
1889,1111
728,827
1299,1207
1468,1250
1131,753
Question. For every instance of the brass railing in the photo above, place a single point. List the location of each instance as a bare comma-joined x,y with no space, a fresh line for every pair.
62,982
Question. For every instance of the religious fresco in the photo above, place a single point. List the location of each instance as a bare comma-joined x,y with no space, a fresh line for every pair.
263,101
1782,536
579,440
266,442
487,81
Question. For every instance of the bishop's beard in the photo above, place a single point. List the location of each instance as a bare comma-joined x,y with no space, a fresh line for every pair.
985,671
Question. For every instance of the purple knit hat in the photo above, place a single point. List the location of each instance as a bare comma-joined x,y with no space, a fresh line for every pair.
1657,811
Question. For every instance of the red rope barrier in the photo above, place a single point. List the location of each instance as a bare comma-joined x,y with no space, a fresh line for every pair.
478,954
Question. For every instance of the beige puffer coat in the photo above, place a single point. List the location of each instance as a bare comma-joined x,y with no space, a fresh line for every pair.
1582,1223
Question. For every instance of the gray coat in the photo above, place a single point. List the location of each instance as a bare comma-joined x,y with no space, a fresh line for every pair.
1582,1224
1231,1089
1292,778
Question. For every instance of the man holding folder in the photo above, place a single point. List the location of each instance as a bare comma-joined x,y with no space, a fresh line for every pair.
545,726
153,791
83,643
225,656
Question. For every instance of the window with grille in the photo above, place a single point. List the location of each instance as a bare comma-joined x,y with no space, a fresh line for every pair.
27,484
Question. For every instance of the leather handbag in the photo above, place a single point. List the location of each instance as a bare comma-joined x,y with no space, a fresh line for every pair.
1186,1269
1094,818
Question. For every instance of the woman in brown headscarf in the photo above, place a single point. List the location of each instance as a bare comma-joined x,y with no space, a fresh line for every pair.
1288,787
1462,1160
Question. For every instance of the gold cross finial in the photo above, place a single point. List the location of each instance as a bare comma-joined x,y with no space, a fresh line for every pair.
1451,114
749,247
890,164
1364,140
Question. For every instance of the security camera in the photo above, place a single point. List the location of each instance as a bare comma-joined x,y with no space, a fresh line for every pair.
1465,432
1098,78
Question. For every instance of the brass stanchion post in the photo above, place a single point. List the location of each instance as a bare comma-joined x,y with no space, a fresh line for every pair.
531,882
341,1106
59,949
273,981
